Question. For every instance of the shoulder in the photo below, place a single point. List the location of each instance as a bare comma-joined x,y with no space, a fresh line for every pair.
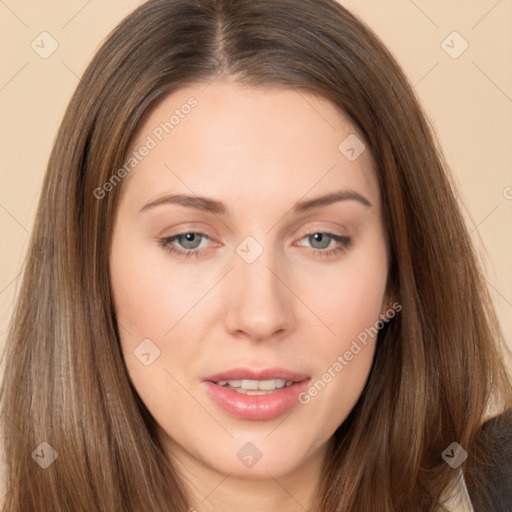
490,486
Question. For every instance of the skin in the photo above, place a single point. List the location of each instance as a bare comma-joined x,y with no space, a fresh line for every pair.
258,150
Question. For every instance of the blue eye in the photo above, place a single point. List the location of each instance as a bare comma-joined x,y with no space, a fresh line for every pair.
324,239
190,242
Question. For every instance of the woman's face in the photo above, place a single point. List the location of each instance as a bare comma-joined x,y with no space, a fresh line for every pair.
271,287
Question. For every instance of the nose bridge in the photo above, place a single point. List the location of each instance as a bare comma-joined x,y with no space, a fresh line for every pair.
259,304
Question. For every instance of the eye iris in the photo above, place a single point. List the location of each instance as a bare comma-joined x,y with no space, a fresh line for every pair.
190,238
318,237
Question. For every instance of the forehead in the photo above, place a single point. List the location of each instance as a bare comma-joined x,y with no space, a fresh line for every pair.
238,142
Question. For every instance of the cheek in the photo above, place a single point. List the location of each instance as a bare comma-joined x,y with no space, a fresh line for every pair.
150,306
349,297
150,296
351,307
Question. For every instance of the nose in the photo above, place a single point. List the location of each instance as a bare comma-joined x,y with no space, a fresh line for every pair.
260,303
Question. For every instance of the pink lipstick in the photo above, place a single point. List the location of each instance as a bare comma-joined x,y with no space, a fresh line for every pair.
256,394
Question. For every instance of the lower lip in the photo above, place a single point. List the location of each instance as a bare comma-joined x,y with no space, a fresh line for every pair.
256,407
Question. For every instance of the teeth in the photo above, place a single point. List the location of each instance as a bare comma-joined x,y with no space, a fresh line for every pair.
245,386
267,385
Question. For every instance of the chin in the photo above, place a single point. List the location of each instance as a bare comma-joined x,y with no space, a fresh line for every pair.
258,457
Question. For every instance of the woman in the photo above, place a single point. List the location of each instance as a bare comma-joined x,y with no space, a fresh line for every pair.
249,284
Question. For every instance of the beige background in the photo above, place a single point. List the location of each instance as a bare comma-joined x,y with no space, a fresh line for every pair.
468,99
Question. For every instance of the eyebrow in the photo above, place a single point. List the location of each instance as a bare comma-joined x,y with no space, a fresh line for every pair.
219,208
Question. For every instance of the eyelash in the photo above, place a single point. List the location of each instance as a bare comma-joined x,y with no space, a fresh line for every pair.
344,242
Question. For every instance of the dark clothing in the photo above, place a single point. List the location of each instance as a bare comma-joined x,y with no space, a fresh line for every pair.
490,487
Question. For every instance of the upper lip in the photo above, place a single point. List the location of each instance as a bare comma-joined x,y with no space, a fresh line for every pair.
258,374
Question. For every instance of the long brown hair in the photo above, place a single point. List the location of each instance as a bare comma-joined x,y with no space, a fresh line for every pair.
437,366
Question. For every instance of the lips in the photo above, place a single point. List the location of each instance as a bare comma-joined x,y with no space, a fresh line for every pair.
256,394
